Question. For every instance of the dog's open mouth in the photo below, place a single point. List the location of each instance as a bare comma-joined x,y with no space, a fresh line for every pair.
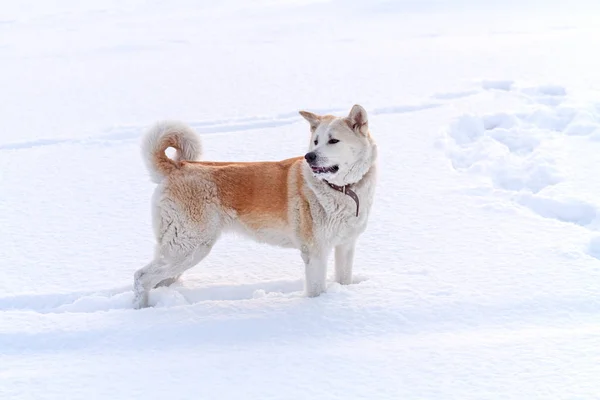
325,170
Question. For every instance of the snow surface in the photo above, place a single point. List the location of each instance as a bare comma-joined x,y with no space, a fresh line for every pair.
477,278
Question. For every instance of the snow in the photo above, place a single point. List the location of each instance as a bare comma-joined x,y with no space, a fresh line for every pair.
477,278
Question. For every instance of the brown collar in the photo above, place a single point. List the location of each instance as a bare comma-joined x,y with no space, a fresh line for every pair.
347,191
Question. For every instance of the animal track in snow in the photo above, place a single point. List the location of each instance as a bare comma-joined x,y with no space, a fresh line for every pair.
516,152
594,247
545,90
495,147
404,109
211,127
497,84
454,95
566,210
121,298
175,295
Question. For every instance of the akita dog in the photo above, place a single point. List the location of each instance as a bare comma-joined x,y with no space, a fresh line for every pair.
314,203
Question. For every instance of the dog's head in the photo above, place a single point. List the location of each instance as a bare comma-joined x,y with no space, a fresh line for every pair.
341,148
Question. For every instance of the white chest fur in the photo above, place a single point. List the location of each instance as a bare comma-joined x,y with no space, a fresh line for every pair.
334,212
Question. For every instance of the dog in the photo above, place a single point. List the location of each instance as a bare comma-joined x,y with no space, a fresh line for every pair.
315,203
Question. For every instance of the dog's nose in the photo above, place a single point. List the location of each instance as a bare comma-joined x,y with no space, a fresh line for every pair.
311,157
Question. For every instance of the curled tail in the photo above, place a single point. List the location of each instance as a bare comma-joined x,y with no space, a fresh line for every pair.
159,138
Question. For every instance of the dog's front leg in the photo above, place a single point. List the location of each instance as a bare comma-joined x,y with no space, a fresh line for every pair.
315,270
344,258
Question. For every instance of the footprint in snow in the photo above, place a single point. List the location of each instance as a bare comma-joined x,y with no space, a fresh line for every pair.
516,151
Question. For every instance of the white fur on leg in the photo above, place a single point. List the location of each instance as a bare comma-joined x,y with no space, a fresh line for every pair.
167,282
315,274
158,271
344,259
140,295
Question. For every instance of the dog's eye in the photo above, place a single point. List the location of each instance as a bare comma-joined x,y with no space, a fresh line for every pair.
333,141
316,142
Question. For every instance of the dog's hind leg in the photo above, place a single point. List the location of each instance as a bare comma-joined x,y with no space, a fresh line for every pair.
140,299
168,281
168,267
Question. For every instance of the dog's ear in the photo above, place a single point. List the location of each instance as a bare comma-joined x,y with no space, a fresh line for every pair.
313,119
357,120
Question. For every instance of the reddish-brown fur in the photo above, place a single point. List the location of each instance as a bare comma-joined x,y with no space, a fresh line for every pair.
259,194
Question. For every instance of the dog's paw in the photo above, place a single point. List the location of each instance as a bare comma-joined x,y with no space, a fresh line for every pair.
344,280
314,291
140,301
